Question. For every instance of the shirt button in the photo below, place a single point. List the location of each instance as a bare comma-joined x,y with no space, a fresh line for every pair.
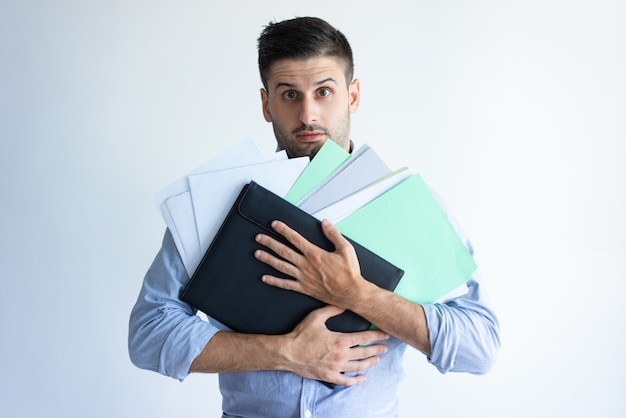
307,413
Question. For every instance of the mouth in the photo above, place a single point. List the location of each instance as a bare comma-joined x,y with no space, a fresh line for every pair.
310,136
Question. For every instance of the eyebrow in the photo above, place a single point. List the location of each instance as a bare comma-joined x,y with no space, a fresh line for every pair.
317,83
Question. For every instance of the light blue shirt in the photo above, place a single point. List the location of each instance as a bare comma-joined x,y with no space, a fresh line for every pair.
166,335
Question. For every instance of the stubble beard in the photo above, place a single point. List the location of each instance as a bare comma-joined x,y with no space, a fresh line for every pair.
295,149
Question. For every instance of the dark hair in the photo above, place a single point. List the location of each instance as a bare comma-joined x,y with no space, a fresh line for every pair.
301,38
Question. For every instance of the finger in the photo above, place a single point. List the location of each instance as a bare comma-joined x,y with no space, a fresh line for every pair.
283,251
345,380
368,351
364,338
360,365
332,233
325,313
286,284
291,235
277,263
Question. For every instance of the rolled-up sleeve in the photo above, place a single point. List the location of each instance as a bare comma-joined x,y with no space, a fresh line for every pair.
464,331
165,334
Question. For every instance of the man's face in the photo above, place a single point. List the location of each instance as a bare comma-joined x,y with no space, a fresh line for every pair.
307,101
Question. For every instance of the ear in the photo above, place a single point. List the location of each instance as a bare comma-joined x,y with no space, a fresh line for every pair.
265,105
354,90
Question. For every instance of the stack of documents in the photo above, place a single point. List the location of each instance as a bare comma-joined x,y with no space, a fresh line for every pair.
194,206
226,284
390,212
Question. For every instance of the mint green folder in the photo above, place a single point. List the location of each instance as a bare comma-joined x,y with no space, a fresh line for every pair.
406,226
327,159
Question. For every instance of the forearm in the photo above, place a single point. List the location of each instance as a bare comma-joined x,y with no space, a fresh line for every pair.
229,352
393,314
310,350
460,335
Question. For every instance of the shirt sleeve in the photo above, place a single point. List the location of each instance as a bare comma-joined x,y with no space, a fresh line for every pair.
165,334
464,331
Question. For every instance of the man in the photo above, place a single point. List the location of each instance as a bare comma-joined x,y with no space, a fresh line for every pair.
309,93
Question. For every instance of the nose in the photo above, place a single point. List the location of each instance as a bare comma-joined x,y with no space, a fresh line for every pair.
309,111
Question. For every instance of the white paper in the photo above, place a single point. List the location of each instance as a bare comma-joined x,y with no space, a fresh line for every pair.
213,194
175,204
362,168
339,210
183,228
243,153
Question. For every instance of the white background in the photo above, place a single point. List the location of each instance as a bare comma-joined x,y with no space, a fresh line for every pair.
513,110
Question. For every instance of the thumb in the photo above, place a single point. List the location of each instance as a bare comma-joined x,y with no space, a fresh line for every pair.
327,312
332,233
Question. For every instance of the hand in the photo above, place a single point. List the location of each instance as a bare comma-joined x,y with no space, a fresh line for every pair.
315,352
332,277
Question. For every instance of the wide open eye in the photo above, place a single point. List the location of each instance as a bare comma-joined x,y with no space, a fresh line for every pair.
290,95
324,92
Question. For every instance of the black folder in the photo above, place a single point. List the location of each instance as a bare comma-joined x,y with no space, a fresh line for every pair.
227,284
